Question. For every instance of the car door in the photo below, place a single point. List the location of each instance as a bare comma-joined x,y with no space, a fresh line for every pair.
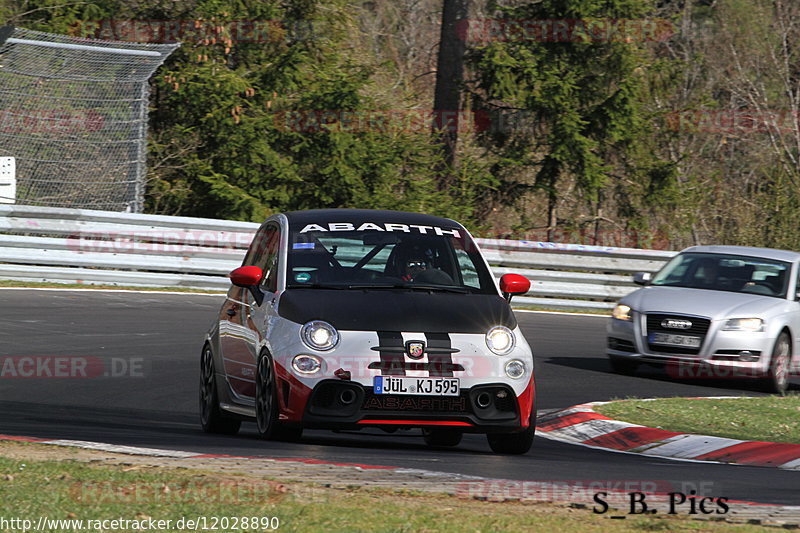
240,336
794,319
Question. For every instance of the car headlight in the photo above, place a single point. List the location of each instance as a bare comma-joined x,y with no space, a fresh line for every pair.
500,340
744,324
319,335
306,364
622,312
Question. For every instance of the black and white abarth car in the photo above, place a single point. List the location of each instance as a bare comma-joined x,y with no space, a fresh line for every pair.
347,319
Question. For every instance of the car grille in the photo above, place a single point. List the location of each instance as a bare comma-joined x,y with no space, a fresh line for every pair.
699,328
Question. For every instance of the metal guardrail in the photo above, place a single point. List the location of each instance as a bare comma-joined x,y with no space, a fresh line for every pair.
44,244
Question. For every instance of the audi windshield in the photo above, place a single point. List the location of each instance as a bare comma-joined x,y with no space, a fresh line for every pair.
723,272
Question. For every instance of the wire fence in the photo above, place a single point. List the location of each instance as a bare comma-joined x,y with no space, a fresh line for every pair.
73,112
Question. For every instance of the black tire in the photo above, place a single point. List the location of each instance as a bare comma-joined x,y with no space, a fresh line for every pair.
212,418
267,424
623,365
514,443
441,438
777,378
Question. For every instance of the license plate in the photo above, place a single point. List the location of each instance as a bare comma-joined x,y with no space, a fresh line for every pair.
669,339
416,386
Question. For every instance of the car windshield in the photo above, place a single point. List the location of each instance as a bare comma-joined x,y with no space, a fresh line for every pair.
723,272
382,260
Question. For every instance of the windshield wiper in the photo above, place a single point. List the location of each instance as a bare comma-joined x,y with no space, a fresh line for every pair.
378,286
411,286
443,288
317,286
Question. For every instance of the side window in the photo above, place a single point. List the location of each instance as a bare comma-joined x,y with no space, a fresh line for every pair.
264,253
797,284
469,273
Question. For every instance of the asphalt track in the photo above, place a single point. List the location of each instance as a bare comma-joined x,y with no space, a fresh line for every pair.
154,403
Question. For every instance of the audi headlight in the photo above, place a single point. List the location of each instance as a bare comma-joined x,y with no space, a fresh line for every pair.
622,312
744,324
500,340
319,335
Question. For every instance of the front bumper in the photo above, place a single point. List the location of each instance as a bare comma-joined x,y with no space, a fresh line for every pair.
745,354
487,408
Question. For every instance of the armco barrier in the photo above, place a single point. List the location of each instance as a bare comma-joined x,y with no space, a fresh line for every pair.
123,249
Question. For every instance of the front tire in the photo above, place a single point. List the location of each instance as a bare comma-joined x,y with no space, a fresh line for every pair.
212,418
269,428
514,443
777,378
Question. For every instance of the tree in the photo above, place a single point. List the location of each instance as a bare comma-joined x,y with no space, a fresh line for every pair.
578,92
449,78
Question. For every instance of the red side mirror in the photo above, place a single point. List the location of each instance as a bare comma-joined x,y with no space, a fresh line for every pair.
513,284
246,276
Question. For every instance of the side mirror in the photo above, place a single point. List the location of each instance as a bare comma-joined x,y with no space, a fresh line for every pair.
642,278
514,284
249,277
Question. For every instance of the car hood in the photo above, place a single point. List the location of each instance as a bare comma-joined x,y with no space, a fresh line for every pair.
701,302
397,310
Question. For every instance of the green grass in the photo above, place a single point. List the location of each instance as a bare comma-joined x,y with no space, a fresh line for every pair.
768,418
71,490
36,284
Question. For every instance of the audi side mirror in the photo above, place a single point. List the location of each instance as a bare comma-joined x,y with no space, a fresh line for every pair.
642,278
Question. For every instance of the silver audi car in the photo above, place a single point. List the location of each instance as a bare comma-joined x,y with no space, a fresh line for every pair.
713,312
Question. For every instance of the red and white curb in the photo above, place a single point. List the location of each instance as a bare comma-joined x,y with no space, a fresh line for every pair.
581,425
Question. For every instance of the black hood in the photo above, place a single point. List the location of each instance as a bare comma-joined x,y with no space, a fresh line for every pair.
397,310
